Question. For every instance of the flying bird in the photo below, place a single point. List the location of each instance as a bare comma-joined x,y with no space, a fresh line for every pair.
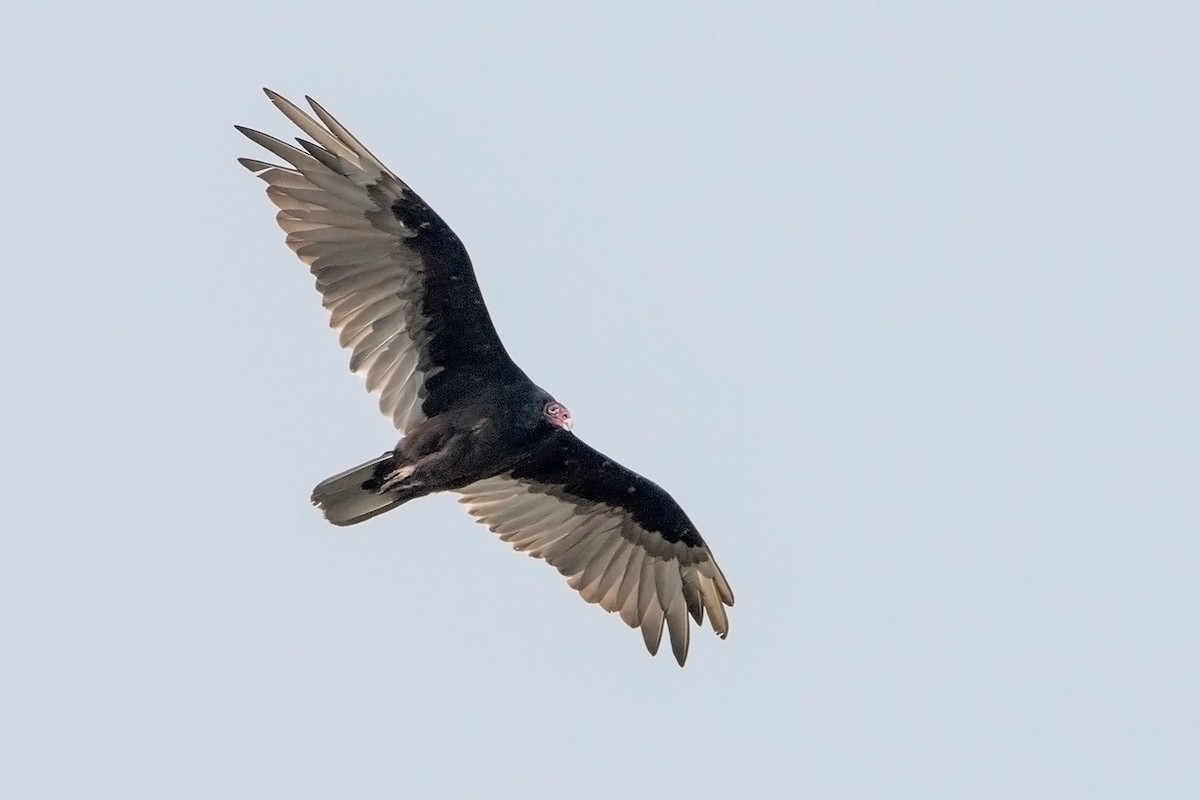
402,294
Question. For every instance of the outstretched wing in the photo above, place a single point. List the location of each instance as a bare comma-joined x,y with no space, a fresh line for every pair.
620,539
397,282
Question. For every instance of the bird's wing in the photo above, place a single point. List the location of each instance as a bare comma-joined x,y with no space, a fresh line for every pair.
620,539
397,282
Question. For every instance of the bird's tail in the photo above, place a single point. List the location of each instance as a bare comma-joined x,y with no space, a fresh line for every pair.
353,496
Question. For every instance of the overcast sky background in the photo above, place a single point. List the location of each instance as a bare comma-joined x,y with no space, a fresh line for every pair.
898,300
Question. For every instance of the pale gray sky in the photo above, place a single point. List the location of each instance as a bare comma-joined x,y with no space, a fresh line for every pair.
898,300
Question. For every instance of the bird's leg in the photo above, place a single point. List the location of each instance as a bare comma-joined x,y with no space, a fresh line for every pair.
435,468
396,479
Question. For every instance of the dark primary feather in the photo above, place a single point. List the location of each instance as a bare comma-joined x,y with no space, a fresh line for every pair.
401,292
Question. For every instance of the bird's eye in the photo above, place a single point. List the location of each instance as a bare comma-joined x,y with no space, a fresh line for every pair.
557,414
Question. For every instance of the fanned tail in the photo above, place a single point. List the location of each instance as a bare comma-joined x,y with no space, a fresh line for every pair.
353,496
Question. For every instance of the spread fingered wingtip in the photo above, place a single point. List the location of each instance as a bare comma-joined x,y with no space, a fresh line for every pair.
277,100
254,165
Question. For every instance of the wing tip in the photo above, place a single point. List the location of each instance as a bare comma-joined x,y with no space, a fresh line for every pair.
254,165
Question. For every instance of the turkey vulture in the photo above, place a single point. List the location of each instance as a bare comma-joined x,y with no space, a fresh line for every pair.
402,294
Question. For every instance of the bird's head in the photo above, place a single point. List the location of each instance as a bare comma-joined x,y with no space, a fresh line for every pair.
557,415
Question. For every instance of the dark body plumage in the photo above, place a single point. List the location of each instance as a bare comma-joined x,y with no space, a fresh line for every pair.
402,293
